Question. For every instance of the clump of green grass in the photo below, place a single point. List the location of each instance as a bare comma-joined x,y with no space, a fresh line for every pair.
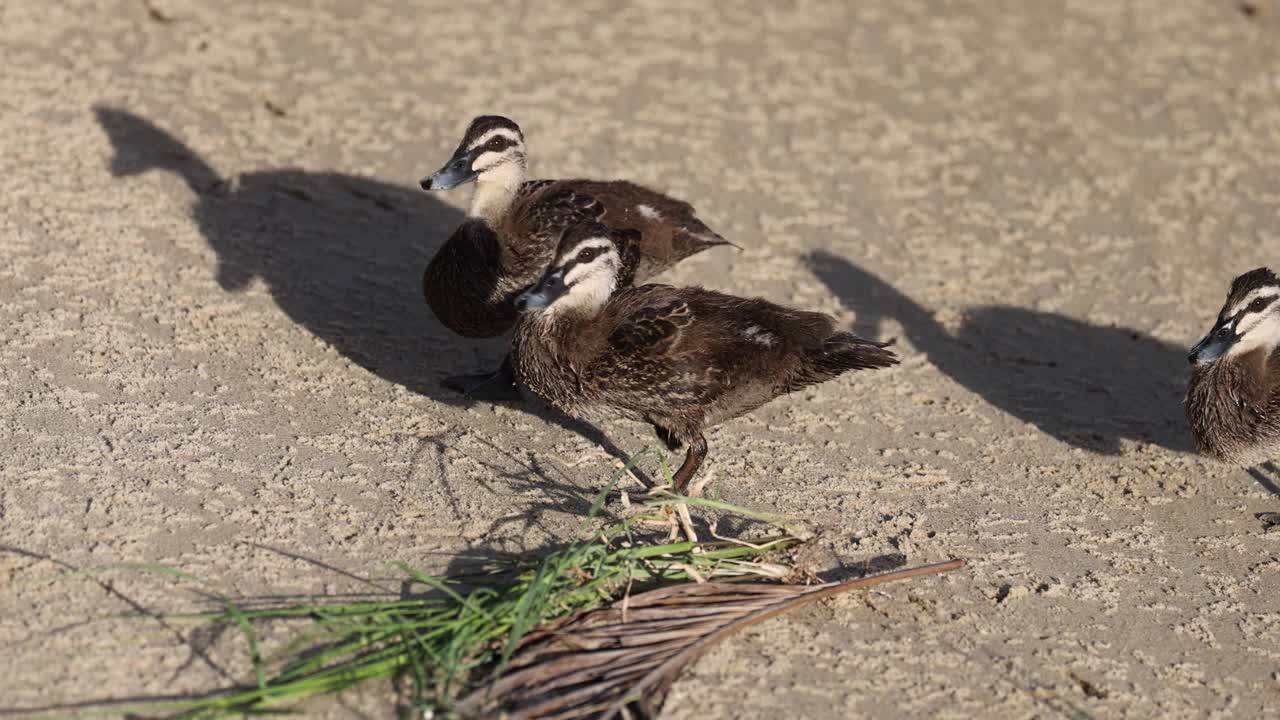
464,634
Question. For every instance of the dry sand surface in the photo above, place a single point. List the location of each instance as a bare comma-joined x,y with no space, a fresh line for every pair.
216,357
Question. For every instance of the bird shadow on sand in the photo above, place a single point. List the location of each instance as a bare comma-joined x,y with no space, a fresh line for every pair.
342,256
1088,386
1266,475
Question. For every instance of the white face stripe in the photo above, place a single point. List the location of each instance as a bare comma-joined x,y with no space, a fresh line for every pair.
496,132
1266,292
598,243
590,288
590,284
1251,321
486,160
1262,330
608,262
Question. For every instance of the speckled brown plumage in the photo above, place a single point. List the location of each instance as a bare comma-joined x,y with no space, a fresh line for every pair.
1233,408
528,226
682,359
1233,395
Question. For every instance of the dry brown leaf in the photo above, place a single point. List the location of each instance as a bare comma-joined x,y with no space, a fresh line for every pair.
620,662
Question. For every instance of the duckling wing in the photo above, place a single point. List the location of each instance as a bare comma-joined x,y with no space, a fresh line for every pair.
529,187
650,320
654,362
554,207
465,283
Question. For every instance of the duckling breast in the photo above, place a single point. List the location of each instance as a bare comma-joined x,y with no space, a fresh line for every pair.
543,366
1231,414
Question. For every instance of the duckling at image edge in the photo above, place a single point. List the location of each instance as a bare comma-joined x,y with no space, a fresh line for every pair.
513,227
1233,394
681,359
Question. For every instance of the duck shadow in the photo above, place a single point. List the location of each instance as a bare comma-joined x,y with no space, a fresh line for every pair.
341,255
1088,386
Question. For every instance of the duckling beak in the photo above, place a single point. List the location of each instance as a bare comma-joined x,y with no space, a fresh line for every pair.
1193,355
1207,349
456,172
547,291
531,299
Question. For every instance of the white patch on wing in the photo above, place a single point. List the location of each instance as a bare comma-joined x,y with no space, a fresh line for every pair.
648,213
757,334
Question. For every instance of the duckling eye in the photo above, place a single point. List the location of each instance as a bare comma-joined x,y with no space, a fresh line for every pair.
1258,305
588,254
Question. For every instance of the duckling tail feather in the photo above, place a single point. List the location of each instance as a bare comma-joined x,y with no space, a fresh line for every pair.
699,237
840,353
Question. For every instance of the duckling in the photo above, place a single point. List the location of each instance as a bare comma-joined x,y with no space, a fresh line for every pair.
1233,395
681,359
514,224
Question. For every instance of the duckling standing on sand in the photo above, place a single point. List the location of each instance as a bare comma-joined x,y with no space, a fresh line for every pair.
681,359
514,225
1233,396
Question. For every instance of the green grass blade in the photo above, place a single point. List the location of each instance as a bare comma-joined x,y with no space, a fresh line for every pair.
252,638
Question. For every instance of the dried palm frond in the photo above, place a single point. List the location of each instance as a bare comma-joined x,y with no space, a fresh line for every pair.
620,662
516,629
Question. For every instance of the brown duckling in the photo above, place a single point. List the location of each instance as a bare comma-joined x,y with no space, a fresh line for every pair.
681,359
1233,395
514,225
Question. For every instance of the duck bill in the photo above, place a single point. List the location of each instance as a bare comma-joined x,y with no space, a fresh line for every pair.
455,172
547,291
1206,350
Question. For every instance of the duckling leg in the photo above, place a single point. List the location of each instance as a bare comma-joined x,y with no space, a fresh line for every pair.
667,437
692,461
497,386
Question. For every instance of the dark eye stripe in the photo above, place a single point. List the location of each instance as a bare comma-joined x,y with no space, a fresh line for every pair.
496,144
1259,304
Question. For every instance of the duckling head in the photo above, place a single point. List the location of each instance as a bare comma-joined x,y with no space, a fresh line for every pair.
1248,321
591,263
491,150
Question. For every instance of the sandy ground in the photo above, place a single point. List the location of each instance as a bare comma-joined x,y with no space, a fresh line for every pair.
215,355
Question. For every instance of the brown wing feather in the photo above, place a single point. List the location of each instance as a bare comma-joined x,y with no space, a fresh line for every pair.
651,359
719,353
651,319
466,286
670,228
556,207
